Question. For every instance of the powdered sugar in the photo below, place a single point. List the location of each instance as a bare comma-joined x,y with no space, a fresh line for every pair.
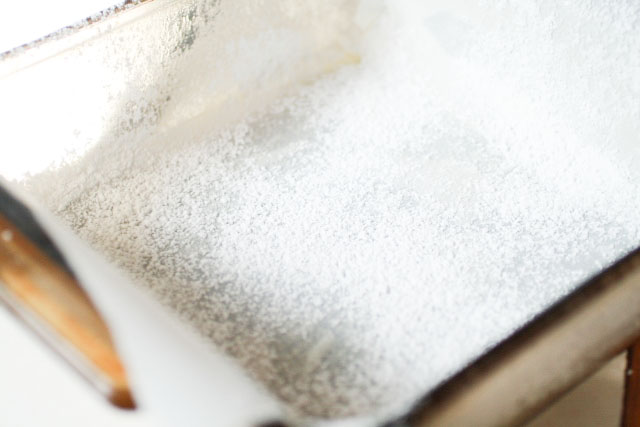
370,233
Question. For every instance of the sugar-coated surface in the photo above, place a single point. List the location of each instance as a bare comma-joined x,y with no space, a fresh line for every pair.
371,232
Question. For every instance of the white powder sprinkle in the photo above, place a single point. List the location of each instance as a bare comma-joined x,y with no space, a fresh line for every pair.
374,231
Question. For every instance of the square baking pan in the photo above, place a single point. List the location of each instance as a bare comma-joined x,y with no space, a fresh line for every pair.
354,212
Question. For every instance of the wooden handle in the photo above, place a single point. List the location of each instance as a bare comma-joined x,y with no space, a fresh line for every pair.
631,409
52,302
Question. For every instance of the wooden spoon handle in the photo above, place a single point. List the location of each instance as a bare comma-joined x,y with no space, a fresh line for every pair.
51,301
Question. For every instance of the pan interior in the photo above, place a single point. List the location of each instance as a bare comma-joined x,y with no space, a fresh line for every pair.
369,232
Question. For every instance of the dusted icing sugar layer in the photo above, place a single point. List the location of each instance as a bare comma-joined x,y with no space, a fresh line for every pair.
371,232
